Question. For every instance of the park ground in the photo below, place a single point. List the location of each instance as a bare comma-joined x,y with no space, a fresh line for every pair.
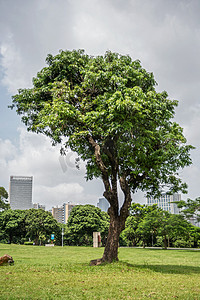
64,273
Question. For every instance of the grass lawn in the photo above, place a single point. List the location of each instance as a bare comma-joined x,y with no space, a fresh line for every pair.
64,273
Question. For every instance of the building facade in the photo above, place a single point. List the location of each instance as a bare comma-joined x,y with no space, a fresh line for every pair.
61,213
166,202
67,207
58,214
20,192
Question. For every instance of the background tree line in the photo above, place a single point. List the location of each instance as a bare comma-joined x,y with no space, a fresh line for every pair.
152,226
36,226
145,226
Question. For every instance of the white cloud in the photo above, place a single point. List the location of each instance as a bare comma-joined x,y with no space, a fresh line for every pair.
164,35
13,66
52,184
59,194
7,149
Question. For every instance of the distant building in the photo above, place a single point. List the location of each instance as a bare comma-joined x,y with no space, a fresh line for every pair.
38,206
61,213
166,202
103,204
58,213
20,192
67,207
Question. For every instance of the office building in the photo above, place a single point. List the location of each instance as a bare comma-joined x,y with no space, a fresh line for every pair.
20,192
103,204
166,202
58,213
61,213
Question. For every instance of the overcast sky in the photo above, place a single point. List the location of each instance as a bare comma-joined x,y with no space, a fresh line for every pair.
163,35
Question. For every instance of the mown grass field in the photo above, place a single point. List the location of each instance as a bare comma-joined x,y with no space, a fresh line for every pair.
64,273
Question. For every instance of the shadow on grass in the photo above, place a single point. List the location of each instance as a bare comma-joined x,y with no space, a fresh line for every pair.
166,269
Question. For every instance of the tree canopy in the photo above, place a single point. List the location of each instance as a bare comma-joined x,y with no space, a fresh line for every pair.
152,226
107,110
22,225
83,221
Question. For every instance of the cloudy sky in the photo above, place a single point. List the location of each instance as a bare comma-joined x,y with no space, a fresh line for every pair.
164,35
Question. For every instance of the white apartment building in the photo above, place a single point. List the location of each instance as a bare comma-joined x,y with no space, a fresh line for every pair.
166,202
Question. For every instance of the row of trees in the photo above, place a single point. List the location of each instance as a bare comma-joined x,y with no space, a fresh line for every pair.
145,226
36,226
152,226
19,226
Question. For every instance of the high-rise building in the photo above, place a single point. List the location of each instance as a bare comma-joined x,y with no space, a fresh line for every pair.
67,207
20,192
103,204
58,213
166,202
61,213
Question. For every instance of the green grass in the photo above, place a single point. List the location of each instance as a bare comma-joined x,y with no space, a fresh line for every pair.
64,273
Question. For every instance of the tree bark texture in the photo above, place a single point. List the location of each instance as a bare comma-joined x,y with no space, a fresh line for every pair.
117,216
112,243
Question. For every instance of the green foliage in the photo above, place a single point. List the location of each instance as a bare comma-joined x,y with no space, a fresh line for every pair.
18,226
137,213
83,221
3,199
112,100
150,225
28,243
12,225
40,225
181,243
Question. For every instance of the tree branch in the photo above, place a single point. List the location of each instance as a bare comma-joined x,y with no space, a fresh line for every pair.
127,198
102,168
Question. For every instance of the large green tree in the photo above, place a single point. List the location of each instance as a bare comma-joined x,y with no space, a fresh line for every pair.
137,212
83,221
40,225
12,225
161,223
106,109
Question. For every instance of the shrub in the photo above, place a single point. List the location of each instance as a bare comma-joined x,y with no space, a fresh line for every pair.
28,243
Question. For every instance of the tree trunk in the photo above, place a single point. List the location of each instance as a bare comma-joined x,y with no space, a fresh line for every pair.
117,224
36,241
165,242
117,218
112,243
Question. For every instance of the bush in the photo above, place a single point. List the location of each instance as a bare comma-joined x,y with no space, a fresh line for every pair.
159,241
28,243
181,244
